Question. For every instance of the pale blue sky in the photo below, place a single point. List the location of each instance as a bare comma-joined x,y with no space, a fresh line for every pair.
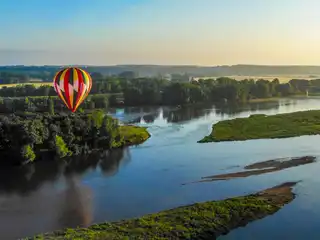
201,32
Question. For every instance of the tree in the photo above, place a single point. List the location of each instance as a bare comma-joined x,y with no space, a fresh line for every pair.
96,76
91,105
100,101
285,89
176,93
26,104
61,147
51,106
127,75
300,85
28,153
196,94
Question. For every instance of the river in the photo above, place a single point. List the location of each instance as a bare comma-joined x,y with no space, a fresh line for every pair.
148,178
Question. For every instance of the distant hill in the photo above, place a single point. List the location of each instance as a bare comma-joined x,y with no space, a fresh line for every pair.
197,71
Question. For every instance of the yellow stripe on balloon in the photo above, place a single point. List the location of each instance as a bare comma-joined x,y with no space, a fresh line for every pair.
84,90
61,82
61,86
88,82
87,78
70,94
82,96
61,96
75,80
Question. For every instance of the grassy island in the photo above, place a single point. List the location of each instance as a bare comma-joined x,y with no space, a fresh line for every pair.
206,220
31,137
261,126
133,135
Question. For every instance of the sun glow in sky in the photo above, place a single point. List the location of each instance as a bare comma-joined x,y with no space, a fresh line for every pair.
197,32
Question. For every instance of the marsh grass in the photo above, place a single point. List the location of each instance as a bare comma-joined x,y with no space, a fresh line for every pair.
133,135
261,126
205,220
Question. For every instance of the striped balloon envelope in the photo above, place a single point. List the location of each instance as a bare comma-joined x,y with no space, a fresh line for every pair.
72,86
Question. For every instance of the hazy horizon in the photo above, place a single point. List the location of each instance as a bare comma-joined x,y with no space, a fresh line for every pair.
160,32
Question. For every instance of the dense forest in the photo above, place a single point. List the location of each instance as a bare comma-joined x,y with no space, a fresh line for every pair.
111,91
28,137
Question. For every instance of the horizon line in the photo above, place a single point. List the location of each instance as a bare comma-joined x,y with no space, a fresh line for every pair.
161,65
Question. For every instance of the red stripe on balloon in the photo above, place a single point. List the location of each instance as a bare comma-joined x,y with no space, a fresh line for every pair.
66,87
80,88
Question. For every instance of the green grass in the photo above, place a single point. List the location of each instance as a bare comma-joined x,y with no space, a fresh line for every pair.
133,135
23,84
261,126
198,221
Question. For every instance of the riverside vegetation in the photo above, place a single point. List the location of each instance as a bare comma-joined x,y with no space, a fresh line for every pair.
206,220
26,137
110,91
29,137
261,126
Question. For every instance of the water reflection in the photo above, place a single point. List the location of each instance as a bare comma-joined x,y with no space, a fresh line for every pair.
75,207
25,179
50,195
111,167
234,109
183,114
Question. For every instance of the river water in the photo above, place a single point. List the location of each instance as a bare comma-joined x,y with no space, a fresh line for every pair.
148,178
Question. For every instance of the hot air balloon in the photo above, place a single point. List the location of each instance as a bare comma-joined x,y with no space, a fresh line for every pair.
72,86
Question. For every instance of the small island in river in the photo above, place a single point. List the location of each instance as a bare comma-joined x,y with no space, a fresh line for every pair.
259,168
260,126
206,220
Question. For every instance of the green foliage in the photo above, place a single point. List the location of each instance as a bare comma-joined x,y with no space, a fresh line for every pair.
27,153
262,126
100,101
152,91
51,106
157,91
206,220
133,135
97,118
63,135
61,147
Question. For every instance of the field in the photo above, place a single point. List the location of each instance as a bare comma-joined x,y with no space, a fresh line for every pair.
38,84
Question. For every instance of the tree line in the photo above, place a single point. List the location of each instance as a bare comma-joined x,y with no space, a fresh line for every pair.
106,91
52,104
146,92
28,137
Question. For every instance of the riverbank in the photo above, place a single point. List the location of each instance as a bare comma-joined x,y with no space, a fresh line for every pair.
262,100
260,126
39,137
206,220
